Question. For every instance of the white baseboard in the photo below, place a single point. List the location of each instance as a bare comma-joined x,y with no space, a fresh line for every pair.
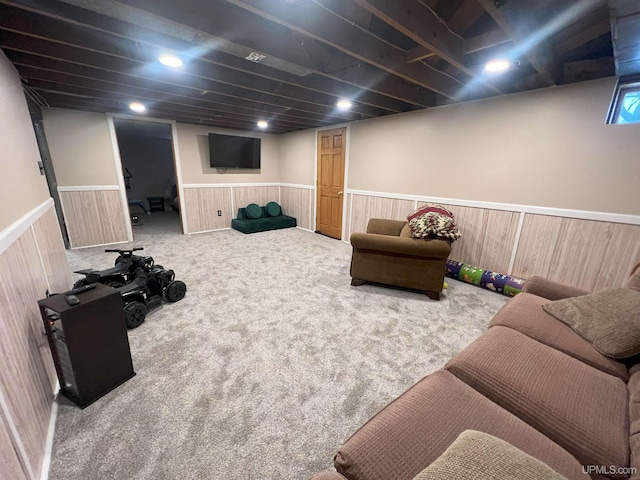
208,231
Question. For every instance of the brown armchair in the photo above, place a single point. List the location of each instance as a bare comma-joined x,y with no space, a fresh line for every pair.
387,254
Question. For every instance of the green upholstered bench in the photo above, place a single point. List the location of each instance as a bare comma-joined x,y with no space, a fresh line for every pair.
254,218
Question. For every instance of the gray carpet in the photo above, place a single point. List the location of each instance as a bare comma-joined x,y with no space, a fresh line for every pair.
269,363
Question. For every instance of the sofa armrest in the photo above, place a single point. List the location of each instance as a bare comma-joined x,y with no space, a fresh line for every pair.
383,226
327,476
551,290
433,248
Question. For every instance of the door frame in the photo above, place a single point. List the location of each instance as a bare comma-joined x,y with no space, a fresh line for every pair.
347,135
177,166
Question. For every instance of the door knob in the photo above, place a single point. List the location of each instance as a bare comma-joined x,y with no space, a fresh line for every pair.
340,193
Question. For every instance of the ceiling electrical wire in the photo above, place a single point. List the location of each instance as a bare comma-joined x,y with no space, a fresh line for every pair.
354,24
34,95
440,19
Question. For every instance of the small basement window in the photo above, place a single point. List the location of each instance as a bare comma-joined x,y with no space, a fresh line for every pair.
626,104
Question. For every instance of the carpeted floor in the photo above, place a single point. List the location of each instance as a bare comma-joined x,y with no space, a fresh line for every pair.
269,363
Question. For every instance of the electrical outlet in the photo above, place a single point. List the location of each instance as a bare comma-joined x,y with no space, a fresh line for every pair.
219,213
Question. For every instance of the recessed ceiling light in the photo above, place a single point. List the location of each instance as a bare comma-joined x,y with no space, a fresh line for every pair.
170,60
344,104
497,65
262,124
137,107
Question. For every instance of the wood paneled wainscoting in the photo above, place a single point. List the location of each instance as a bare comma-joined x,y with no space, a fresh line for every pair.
203,201
94,215
591,250
32,261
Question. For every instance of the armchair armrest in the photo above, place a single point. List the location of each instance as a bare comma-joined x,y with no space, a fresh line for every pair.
551,290
433,248
383,226
328,475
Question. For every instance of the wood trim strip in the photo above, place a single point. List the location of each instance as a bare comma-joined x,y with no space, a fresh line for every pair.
87,188
516,241
14,231
227,185
15,436
46,461
117,162
296,185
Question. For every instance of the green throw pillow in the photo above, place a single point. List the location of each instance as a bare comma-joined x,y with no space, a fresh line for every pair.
273,209
253,210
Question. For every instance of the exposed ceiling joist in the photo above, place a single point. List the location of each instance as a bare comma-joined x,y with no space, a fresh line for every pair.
310,19
99,55
427,29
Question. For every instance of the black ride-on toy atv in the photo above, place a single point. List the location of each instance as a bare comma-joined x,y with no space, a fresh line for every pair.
122,273
141,284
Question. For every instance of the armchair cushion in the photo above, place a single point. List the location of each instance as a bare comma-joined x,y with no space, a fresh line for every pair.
383,226
608,319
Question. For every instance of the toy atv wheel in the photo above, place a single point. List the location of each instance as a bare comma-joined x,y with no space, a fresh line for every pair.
134,313
175,291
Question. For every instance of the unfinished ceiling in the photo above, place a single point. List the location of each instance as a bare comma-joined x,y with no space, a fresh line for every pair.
290,61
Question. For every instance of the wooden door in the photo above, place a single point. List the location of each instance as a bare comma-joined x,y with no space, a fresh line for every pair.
330,187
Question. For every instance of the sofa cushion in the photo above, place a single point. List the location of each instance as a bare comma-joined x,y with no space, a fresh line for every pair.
525,314
477,455
263,224
272,209
406,231
608,319
416,428
253,211
579,407
634,280
634,416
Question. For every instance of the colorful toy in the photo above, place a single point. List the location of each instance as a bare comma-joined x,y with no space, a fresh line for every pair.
497,282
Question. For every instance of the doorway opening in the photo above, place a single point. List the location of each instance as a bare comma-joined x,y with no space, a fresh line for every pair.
148,166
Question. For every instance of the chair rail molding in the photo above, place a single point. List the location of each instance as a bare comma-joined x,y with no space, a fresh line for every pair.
511,207
10,234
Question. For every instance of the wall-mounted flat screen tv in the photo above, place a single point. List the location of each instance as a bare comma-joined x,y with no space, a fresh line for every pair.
227,151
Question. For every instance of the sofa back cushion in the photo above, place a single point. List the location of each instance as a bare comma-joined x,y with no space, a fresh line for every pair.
580,408
634,280
478,455
272,209
525,314
253,211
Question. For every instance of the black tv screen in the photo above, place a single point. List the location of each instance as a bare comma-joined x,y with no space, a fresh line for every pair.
227,151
